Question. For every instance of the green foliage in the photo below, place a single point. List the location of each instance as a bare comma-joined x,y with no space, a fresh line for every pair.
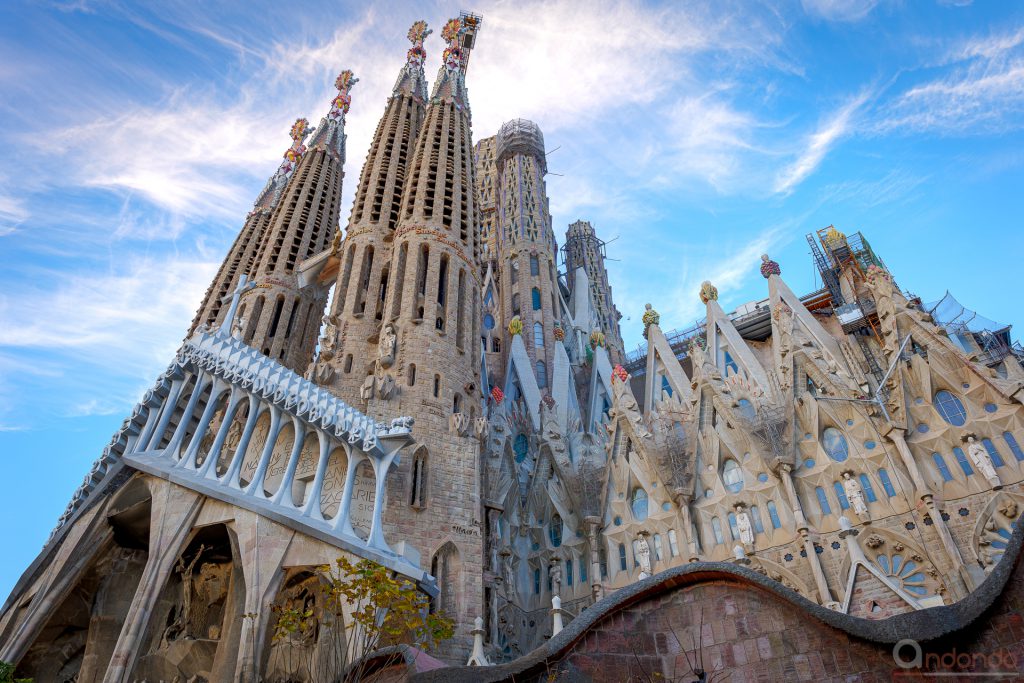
7,674
362,607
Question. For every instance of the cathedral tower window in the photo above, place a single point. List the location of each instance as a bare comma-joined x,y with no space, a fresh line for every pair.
437,386
291,319
348,363
460,326
410,375
1011,443
418,488
869,491
445,568
940,464
826,508
602,561
950,408
542,375
568,572
733,529
520,446
755,515
382,293
555,531
496,345
396,303
835,445
442,295
886,483
364,280
773,514
421,280
515,304
538,335
841,495
622,556
534,266
535,293
457,403
963,462
716,529
346,274
657,547
732,476
638,504
997,459
673,542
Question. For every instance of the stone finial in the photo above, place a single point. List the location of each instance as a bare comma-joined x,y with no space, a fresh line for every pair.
559,331
708,292
650,317
556,616
874,274
498,395
596,339
418,32
769,267
515,326
477,657
834,239
619,373
344,82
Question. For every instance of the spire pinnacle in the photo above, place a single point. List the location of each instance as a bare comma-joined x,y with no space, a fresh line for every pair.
330,135
268,198
411,78
460,34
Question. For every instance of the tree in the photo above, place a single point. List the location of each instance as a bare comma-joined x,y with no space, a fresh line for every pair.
360,608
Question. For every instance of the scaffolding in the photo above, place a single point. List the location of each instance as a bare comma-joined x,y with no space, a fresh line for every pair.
964,326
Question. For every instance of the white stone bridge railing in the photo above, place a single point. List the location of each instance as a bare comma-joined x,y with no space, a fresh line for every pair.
296,454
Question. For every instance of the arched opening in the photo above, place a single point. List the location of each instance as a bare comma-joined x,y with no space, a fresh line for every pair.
257,441
210,435
445,567
233,437
418,479
279,458
334,479
197,619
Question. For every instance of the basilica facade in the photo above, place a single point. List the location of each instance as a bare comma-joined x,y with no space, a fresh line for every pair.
443,389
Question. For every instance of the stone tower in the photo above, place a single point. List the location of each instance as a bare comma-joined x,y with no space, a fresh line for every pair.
525,242
583,248
278,317
364,273
427,360
243,252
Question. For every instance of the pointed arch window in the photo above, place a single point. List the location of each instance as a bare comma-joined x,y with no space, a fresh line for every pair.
657,547
534,266
555,531
542,375
730,365
568,572
418,490
622,556
716,529
746,408
733,529
844,503
823,503
638,504
520,446
755,515
869,491
940,464
950,408
1011,442
773,514
993,453
886,483
535,295
963,462
732,476
673,543
538,335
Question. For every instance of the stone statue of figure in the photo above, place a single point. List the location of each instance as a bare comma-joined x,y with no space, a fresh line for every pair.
743,526
508,574
329,340
555,573
386,345
982,460
855,495
643,555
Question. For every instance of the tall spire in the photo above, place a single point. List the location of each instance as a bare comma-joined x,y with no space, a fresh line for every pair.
271,193
242,256
411,78
460,34
280,317
330,135
363,270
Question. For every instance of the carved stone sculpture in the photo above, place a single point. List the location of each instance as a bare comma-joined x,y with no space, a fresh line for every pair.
555,574
855,495
982,460
643,555
743,525
386,345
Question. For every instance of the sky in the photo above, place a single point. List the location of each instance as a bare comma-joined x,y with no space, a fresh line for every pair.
694,136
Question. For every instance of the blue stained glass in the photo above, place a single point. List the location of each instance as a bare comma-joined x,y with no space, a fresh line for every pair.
733,530
950,408
665,386
568,572
869,491
883,562
940,463
756,515
962,459
869,444
583,571
488,322
886,483
1011,441
826,509
622,556
834,443
716,527
666,506
536,581
923,428
730,364
639,504
809,463
841,495
520,447
1000,545
1004,533
773,514
909,567
536,299
746,408
917,590
914,577
897,561
762,477
997,459
991,407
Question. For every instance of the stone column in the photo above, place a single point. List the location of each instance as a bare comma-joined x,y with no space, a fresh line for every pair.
896,437
174,510
785,474
682,499
596,587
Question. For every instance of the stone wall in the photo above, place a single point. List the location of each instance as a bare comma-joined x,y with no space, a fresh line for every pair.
739,626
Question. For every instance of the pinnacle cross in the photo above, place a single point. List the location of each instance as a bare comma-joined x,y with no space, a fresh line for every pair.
344,82
418,32
244,285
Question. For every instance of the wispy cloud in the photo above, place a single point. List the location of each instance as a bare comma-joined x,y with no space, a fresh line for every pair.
982,92
818,145
839,10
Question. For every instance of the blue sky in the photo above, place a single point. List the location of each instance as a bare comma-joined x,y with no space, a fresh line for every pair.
137,135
